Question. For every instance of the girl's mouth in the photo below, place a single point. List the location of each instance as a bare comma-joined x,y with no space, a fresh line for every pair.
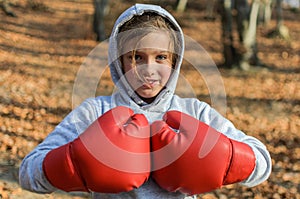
148,84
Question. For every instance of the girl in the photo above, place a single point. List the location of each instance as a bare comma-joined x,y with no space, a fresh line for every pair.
144,141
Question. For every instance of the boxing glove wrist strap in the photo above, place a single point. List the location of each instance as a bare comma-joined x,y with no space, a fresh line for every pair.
242,163
60,172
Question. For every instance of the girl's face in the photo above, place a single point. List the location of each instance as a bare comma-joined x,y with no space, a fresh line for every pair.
149,67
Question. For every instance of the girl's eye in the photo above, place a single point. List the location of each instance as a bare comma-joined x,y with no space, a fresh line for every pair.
137,57
162,57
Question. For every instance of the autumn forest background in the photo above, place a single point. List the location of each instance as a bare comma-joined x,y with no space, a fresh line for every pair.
44,45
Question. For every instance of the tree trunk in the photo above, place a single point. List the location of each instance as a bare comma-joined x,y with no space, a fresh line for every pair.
181,5
100,7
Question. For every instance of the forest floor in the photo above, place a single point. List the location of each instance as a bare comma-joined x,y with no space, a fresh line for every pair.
43,47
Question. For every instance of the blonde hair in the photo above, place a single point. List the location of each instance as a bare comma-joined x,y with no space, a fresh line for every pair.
140,26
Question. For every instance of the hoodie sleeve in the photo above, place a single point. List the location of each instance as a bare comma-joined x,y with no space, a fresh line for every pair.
31,175
263,166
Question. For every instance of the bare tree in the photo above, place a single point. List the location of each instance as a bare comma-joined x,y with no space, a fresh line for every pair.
246,18
100,11
246,21
281,29
181,5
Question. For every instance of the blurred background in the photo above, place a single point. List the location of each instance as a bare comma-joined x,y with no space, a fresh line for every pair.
44,43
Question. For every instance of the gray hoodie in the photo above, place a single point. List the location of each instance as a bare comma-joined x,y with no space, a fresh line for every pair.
31,174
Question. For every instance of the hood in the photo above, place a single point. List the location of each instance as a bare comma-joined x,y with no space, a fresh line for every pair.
124,89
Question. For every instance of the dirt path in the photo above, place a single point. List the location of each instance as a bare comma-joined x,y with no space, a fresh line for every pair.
42,49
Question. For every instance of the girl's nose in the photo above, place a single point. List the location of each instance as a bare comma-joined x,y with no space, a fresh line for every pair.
148,67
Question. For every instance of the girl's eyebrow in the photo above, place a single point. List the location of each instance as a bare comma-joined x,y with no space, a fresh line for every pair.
154,51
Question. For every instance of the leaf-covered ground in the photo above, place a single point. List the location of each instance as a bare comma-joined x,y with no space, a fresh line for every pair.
43,47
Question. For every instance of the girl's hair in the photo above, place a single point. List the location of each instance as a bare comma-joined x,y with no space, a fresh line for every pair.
139,26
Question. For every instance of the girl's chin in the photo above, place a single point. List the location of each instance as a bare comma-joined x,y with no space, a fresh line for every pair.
147,97
148,92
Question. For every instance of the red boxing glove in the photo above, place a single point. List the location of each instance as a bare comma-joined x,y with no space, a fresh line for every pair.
111,156
197,159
